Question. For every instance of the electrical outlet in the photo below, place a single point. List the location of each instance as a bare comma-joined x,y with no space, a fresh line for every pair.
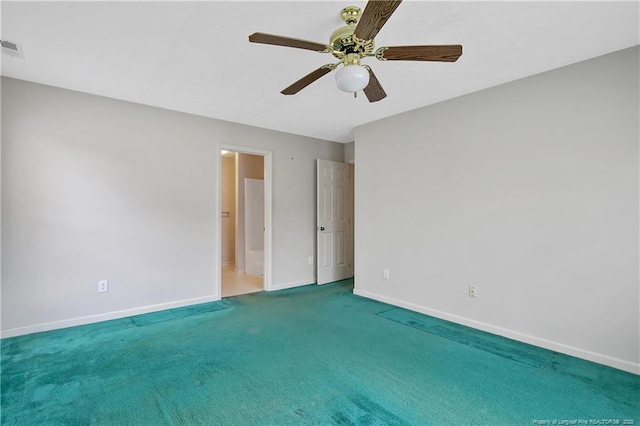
310,260
103,286
473,291
385,274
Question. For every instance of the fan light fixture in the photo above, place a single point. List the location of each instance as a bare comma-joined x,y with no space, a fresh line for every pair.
352,78
355,41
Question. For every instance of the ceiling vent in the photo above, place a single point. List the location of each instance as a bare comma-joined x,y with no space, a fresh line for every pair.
12,49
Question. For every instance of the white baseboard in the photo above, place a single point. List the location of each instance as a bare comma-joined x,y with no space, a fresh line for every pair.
230,263
72,322
283,286
532,340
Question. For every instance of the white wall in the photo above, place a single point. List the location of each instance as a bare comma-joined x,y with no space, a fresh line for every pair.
95,188
528,191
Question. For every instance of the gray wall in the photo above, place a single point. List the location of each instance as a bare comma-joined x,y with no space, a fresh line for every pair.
95,188
349,153
528,191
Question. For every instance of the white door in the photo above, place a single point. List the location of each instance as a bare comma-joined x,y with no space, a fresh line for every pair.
333,221
254,226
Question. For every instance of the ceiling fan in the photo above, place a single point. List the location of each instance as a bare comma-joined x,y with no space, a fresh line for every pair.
353,42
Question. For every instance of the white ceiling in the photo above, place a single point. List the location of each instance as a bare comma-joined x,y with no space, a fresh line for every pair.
195,57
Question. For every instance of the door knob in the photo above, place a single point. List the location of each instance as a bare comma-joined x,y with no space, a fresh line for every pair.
322,228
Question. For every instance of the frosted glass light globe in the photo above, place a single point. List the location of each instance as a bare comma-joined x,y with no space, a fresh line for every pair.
351,78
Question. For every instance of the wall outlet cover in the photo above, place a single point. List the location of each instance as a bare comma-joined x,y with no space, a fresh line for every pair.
473,291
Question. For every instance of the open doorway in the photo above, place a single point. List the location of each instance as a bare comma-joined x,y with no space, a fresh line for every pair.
244,220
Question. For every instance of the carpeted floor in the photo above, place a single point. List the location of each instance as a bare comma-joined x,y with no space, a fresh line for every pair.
311,355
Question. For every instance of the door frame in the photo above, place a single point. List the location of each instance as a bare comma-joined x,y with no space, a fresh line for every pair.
267,155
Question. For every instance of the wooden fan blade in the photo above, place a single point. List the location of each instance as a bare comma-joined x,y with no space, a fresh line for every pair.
307,80
286,41
448,53
374,90
375,15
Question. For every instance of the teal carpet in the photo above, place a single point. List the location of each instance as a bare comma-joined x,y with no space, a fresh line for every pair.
311,355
